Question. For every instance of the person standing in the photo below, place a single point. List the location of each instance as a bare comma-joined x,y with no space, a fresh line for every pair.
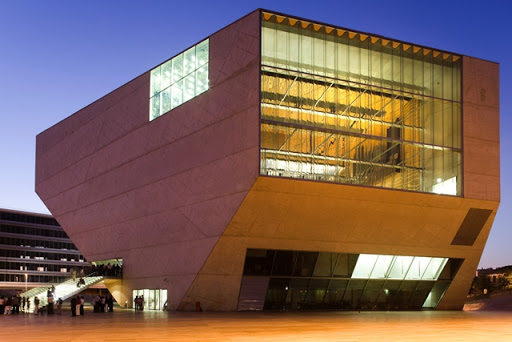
77,305
82,301
73,306
15,305
36,305
110,303
50,304
59,306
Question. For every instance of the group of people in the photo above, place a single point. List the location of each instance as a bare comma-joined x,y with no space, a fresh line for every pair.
103,303
10,305
107,270
139,303
77,305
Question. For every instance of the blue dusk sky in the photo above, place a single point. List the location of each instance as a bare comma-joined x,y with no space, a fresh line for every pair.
57,57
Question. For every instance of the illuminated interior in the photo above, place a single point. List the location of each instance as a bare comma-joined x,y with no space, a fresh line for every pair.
154,299
323,280
179,80
345,107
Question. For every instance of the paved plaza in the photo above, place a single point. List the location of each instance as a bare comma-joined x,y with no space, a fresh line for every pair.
127,325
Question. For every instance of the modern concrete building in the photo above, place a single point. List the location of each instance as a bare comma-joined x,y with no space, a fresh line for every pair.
282,163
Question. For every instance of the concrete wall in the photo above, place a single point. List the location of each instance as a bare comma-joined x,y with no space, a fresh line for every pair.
481,114
158,194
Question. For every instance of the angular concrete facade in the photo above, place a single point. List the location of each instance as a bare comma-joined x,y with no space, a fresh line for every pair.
181,199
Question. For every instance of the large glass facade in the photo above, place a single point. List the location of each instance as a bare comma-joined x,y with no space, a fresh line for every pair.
324,280
179,80
346,107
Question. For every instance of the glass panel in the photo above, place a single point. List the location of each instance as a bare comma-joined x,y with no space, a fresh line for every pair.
177,68
166,70
334,295
276,294
176,94
202,50
417,268
155,81
166,100
155,106
400,267
382,266
284,263
189,61
403,297
325,264
305,264
434,297
316,293
420,294
345,265
296,295
353,293
189,87
364,266
434,268
371,295
258,262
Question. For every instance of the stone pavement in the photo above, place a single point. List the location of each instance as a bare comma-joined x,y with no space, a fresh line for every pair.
127,325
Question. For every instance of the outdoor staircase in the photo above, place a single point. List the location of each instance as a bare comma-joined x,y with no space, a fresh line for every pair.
63,290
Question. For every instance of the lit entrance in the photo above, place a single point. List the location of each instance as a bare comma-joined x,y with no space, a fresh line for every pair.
154,299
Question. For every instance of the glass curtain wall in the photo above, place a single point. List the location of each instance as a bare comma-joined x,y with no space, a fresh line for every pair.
323,280
345,107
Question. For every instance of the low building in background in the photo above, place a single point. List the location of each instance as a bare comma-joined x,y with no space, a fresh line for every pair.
35,251
282,163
